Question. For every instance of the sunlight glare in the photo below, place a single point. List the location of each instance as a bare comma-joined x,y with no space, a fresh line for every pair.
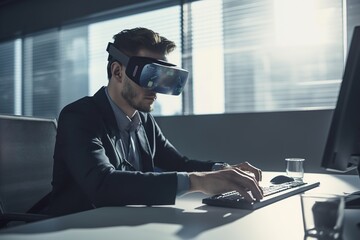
298,22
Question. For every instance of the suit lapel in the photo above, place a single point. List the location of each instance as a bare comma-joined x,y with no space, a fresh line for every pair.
104,106
146,157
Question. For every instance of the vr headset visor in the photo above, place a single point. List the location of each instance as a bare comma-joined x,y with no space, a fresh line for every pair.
156,75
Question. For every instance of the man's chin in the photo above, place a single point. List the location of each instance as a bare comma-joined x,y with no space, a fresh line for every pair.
146,109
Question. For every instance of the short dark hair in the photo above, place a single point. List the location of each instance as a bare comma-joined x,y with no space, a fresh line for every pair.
131,41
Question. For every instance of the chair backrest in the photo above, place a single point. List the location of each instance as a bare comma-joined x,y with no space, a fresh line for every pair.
26,153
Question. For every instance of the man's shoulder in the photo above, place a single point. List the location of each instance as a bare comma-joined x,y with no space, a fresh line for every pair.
84,109
83,105
82,112
97,104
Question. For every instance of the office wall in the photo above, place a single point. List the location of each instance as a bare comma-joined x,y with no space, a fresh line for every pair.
21,17
264,139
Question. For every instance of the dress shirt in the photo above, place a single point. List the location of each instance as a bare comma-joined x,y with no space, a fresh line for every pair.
128,144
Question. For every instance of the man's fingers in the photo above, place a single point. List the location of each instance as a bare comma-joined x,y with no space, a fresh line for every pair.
255,190
245,166
227,180
246,195
249,195
248,183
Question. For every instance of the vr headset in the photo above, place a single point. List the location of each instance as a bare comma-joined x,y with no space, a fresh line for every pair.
156,75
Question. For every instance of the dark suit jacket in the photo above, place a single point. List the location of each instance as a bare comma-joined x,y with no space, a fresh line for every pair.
90,172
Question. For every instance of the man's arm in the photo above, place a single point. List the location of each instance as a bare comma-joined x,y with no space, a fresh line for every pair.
241,177
166,156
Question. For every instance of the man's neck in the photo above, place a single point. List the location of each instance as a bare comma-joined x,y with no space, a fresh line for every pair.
121,103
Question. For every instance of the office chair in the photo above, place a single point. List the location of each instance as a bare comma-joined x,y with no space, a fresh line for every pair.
26,150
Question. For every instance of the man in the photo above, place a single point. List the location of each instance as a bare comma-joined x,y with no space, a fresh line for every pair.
109,149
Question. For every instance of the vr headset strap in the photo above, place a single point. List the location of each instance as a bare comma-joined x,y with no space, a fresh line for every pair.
114,53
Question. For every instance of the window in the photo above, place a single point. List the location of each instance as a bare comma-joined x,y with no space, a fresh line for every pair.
243,56
7,77
265,55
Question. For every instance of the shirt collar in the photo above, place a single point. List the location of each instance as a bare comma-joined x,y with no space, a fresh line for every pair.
124,122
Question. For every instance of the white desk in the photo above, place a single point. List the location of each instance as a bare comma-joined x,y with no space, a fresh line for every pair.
190,219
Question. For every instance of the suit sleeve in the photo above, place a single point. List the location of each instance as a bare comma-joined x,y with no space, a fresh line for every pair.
166,156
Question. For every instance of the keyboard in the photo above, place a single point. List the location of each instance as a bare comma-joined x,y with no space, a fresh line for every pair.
272,194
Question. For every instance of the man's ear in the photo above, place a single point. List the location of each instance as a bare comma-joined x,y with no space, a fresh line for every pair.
116,71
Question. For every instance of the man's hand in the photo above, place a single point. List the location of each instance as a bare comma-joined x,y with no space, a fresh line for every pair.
241,177
245,166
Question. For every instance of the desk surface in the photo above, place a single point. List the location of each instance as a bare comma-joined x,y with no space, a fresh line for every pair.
190,219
